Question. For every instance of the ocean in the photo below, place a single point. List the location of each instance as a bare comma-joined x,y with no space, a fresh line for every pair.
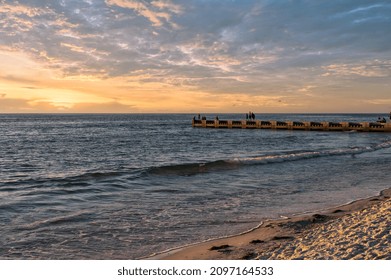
125,186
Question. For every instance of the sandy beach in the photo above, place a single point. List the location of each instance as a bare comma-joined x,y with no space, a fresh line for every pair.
359,230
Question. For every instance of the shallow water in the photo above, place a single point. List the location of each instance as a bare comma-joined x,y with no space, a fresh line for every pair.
126,186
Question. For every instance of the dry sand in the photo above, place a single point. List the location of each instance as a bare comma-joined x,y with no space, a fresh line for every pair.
359,230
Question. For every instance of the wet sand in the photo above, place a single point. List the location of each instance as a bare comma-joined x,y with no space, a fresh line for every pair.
358,230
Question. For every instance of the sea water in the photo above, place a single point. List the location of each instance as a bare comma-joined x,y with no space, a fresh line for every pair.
127,186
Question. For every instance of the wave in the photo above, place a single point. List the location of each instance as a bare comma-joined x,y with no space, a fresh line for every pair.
293,156
96,175
67,183
189,169
77,217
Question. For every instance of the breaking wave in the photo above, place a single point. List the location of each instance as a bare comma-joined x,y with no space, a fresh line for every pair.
189,169
193,168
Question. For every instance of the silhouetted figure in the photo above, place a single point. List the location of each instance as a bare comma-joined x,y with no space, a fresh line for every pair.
381,120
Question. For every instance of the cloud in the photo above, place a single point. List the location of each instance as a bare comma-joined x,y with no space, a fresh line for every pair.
260,48
382,102
168,5
10,105
239,36
157,12
17,79
102,108
371,69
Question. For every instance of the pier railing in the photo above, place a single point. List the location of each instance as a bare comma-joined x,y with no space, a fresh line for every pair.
294,125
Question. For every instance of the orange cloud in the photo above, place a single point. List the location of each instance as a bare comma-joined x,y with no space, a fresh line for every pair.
149,10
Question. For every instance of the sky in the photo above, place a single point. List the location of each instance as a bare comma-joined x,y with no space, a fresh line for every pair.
195,56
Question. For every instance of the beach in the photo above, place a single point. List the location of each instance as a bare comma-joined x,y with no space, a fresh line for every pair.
359,230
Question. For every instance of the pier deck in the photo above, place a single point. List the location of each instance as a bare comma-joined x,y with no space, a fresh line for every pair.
294,125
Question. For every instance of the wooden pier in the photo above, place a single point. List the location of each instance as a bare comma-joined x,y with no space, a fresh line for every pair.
294,125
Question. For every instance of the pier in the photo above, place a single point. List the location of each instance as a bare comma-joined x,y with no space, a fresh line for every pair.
294,125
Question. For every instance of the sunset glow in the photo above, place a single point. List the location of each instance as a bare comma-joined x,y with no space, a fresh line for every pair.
125,56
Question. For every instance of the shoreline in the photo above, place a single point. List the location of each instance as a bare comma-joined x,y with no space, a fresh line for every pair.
339,232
